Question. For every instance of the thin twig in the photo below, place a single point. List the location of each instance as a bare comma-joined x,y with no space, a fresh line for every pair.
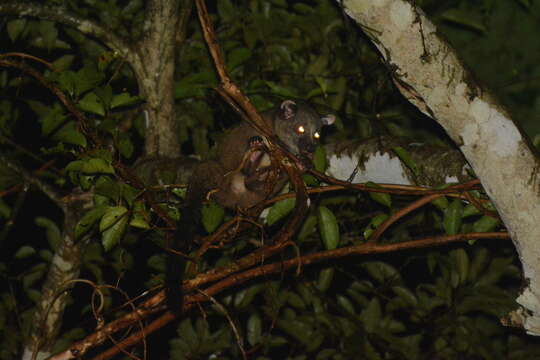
81,118
47,189
401,213
236,279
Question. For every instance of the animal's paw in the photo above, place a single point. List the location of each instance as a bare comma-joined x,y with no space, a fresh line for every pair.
304,164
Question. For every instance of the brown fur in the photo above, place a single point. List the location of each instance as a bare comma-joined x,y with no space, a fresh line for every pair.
233,177
238,177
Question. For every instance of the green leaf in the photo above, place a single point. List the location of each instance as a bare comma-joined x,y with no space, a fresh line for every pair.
381,198
70,134
88,220
371,315
121,260
67,81
340,91
461,261
49,33
129,193
374,224
112,226
125,146
52,121
33,295
237,57
318,66
470,210
325,279
245,297
254,329
108,187
327,354
24,252
319,159
87,78
251,36
92,103
485,224
453,217
408,296
85,181
303,8
280,3
323,84
212,216
328,227
307,227
310,180
382,272
195,85
346,304
15,28
306,292
441,203
91,166
93,253
46,255
279,210
63,62
54,236
479,262
139,217
226,10
34,274
124,99
315,92
302,331
296,301
407,159
5,210
156,262
497,268
187,332
281,90
464,18
39,108
105,94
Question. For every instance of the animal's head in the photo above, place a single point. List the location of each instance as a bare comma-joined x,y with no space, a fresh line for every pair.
298,125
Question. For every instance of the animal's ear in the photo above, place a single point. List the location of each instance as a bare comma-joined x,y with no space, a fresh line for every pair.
328,119
288,109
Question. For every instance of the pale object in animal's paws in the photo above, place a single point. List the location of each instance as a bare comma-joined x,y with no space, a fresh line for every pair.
238,177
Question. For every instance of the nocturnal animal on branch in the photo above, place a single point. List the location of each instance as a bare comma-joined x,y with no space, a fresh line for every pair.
242,176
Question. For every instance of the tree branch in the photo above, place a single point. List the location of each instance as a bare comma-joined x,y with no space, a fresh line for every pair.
81,118
234,95
263,270
47,189
429,73
61,15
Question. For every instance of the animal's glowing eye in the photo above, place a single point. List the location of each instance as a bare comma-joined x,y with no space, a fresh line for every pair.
316,135
301,129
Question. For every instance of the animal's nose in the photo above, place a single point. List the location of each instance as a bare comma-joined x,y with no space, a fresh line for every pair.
310,147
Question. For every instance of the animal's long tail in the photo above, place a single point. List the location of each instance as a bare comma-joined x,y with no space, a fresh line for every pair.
206,176
186,229
176,264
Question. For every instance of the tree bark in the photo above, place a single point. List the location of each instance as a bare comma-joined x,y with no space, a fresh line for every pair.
377,160
429,74
63,271
154,67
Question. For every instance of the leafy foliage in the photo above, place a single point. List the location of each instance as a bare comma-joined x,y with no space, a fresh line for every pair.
376,312
420,305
